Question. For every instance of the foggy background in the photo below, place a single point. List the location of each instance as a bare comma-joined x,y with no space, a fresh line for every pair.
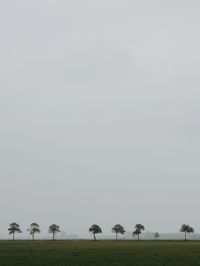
99,112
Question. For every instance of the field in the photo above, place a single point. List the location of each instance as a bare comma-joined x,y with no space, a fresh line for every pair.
105,253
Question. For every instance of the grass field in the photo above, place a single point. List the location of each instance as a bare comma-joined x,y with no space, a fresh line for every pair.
105,253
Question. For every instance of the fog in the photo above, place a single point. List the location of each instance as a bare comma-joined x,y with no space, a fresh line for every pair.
99,111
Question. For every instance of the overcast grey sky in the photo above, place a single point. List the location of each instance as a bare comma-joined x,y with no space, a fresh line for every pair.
99,111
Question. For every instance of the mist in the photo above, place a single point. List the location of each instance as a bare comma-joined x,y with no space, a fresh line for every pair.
99,113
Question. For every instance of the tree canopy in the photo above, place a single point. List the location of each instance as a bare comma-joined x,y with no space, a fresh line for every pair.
54,229
185,228
34,228
156,235
118,229
138,230
14,228
95,229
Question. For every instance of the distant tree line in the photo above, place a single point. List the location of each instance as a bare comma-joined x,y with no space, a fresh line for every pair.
34,229
95,229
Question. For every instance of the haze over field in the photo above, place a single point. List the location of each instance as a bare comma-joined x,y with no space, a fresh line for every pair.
99,114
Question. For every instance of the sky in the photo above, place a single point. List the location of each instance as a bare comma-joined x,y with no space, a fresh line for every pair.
99,114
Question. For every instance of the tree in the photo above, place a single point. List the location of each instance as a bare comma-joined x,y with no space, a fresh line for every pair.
54,229
185,228
138,230
118,229
14,228
34,228
156,235
95,229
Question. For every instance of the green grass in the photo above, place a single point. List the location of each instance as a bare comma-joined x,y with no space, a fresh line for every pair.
105,253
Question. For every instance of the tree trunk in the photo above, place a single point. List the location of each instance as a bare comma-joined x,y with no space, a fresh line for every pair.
185,236
138,237
33,237
13,236
53,236
94,237
116,237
